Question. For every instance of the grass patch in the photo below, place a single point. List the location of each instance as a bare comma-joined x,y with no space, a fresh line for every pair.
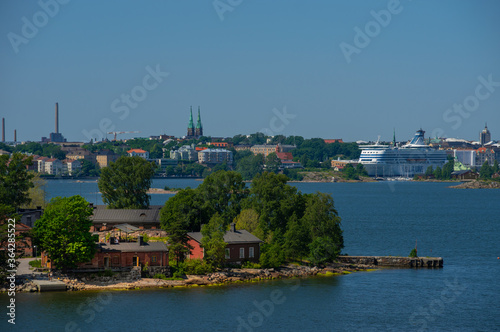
36,263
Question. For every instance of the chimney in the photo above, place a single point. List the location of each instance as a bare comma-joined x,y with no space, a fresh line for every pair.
140,240
233,227
3,129
57,118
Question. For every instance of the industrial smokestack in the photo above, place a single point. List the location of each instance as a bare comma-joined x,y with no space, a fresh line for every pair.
3,129
57,118
15,135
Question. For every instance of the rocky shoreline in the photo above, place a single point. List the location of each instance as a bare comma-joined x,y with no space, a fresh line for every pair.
477,184
222,277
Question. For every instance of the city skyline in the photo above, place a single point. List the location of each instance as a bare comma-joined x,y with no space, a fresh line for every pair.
332,70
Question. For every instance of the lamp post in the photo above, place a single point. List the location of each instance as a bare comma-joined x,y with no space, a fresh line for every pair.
35,251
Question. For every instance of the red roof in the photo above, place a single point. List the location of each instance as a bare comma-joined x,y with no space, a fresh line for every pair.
484,150
136,151
335,140
199,148
284,155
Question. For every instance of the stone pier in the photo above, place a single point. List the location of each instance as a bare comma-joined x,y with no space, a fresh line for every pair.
394,261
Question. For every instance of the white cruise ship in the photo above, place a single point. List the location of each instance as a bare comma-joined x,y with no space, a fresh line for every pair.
406,161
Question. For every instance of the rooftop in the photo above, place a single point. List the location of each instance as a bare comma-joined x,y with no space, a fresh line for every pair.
236,236
136,151
133,247
102,214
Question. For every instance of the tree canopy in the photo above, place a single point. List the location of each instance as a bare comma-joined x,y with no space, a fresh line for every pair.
292,225
15,180
124,183
63,232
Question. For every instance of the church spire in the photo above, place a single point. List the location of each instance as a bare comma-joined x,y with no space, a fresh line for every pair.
199,126
190,129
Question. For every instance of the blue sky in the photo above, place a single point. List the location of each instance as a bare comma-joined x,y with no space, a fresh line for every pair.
257,65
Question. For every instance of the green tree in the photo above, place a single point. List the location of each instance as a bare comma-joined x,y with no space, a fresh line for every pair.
322,250
250,166
447,170
273,163
437,173
360,170
15,180
486,171
296,239
323,220
181,214
495,168
350,172
428,172
156,151
274,201
248,219
89,169
37,194
213,240
222,192
272,254
124,183
63,232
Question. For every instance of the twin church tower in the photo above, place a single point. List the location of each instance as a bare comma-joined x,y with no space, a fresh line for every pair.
192,131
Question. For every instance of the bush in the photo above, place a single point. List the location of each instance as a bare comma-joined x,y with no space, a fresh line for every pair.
191,266
36,263
160,276
250,265
413,253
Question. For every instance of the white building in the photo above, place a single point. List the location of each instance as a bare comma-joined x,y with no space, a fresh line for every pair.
53,166
69,166
466,157
139,153
186,152
215,156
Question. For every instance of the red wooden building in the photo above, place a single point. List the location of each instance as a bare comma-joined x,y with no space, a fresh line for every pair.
241,245
111,255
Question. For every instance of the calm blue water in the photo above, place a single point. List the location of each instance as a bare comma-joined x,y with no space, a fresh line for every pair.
462,226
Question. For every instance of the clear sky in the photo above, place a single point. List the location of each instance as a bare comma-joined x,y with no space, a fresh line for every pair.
325,68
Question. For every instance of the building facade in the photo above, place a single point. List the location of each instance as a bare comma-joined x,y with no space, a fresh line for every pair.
240,246
215,156
138,153
185,152
485,136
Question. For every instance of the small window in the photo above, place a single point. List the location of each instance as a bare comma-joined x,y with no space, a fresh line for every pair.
153,259
228,255
251,252
242,252
116,260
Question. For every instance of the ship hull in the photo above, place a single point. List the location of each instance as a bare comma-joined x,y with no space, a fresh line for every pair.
401,162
